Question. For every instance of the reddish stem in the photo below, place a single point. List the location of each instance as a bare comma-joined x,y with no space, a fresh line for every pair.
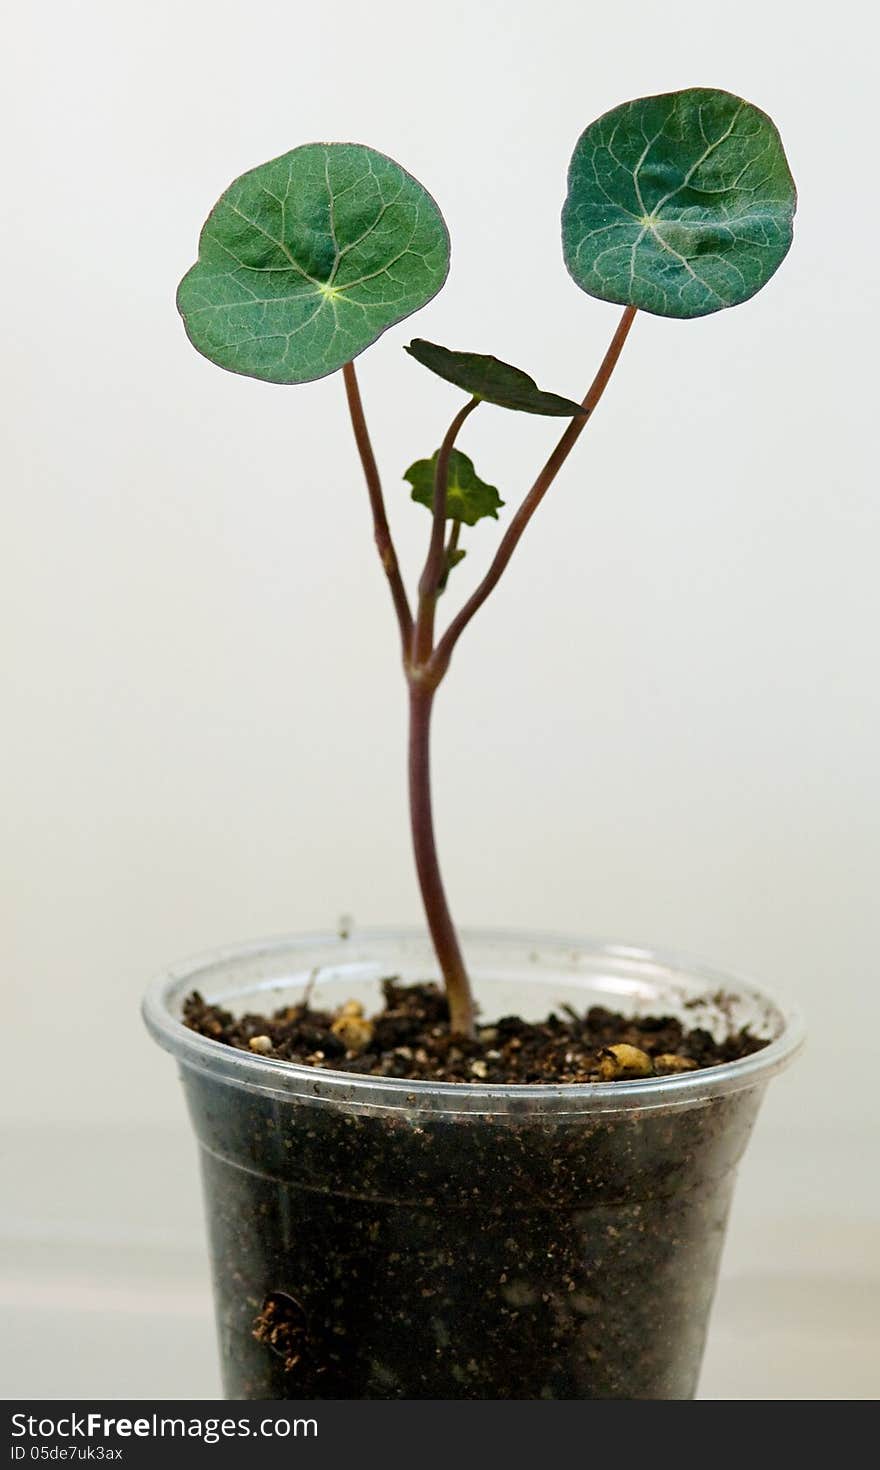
381,529
421,697
442,929
426,664
435,564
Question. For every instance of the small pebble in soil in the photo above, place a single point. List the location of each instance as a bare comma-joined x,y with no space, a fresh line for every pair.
618,1062
352,1027
261,1044
668,1062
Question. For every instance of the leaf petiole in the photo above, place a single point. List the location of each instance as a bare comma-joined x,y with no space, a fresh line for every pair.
381,529
435,563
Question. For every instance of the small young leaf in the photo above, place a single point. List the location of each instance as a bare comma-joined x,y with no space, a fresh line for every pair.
680,204
454,555
491,380
307,259
468,498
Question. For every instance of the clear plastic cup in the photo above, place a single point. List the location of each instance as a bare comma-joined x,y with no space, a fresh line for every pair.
377,1238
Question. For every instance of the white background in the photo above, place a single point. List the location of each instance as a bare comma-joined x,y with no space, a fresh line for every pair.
663,728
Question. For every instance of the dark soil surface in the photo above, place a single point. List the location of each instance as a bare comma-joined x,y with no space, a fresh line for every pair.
410,1038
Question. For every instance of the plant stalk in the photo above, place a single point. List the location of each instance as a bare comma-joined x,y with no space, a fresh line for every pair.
435,564
381,529
426,664
440,925
422,688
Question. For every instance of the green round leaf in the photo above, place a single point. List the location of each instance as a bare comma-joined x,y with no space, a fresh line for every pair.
307,259
491,380
680,204
468,498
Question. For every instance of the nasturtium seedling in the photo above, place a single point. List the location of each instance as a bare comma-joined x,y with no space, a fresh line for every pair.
679,204
468,498
306,260
491,381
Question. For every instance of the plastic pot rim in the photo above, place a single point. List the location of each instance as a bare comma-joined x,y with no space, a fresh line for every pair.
164,996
